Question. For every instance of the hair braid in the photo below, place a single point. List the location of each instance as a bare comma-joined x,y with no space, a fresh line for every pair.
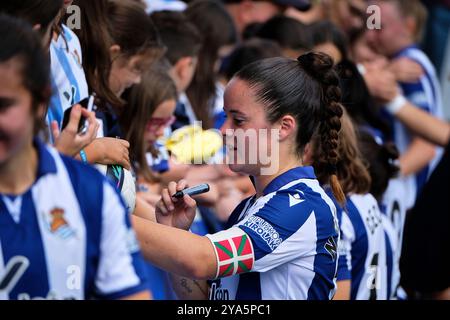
320,67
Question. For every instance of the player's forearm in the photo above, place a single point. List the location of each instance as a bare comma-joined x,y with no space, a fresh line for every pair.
187,289
92,153
176,251
144,295
419,154
424,125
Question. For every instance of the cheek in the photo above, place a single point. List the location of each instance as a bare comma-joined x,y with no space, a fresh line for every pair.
15,129
149,138
15,122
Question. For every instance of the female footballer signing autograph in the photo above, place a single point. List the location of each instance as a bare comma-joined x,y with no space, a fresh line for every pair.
280,243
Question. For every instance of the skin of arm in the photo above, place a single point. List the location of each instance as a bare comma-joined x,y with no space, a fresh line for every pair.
177,251
187,289
418,155
424,125
143,295
343,290
109,151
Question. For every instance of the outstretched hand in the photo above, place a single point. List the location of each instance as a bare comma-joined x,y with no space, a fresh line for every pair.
69,141
178,213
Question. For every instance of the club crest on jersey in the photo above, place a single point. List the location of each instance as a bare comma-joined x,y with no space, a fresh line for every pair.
58,224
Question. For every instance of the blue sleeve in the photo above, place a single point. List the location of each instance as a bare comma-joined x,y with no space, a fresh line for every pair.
416,94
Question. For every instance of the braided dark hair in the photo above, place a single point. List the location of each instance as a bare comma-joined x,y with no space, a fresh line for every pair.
320,67
307,89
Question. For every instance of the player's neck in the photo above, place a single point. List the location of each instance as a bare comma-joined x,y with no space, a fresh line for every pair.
19,173
262,181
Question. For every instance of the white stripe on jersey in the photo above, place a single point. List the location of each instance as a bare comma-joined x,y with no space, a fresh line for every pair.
62,257
395,272
370,214
425,62
304,241
115,271
347,238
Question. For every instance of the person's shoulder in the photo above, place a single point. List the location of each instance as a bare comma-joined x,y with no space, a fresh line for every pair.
295,204
308,191
367,199
420,57
70,35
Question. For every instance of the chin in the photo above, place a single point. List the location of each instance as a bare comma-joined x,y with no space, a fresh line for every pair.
236,168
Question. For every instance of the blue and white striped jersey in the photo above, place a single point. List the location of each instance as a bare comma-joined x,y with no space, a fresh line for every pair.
159,164
67,237
426,95
392,258
362,257
294,234
69,85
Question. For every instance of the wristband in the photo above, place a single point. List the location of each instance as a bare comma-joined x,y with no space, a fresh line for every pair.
395,105
83,156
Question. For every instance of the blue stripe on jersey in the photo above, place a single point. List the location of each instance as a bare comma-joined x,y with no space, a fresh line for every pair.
67,33
360,247
55,110
409,89
421,179
389,264
62,57
249,287
288,177
46,163
324,266
88,189
13,235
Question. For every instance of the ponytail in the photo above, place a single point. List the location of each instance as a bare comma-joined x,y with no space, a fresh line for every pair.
320,67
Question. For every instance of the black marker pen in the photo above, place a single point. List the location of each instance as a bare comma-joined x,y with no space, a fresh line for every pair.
202,188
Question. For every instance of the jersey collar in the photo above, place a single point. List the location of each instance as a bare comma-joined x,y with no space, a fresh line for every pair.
402,51
289,176
46,163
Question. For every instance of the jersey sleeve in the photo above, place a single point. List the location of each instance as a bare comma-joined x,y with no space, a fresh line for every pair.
121,267
282,229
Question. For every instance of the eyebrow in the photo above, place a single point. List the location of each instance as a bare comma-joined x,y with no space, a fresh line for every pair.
6,102
234,111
